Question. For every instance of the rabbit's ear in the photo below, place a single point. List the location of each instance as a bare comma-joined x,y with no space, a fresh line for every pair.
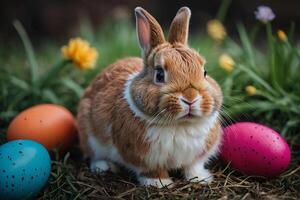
149,31
179,29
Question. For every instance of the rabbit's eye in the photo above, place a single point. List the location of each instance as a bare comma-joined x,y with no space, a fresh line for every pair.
159,75
205,73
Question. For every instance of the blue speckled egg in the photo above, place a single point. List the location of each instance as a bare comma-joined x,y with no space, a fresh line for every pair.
25,167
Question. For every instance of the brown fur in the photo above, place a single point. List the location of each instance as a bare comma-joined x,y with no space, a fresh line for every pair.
104,113
214,136
96,110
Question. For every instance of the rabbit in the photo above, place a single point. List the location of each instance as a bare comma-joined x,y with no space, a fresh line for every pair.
156,113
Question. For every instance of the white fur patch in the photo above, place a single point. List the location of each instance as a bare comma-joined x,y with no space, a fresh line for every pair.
127,96
178,145
165,182
197,173
99,166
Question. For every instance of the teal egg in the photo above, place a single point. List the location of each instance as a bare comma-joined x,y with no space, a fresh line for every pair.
25,167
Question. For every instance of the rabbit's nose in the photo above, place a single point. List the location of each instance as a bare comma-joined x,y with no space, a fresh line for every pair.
189,103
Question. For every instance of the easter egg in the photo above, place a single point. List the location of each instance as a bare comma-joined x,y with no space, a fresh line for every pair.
255,149
24,169
49,124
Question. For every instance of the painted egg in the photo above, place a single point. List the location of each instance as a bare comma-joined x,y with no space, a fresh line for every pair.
24,169
255,149
49,124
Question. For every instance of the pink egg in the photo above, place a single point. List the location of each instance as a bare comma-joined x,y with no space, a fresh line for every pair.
254,149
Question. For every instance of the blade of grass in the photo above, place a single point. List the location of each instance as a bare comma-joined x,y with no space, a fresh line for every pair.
240,108
17,99
291,31
52,73
19,83
258,79
254,32
284,58
49,95
76,88
271,57
247,45
8,114
29,51
227,85
223,10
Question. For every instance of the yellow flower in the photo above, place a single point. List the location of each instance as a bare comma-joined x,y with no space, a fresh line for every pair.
216,30
226,62
250,90
281,35
80,53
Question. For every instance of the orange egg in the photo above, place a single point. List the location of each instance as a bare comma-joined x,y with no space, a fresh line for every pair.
49,124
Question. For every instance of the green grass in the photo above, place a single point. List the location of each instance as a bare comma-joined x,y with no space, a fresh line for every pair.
272,67
272,70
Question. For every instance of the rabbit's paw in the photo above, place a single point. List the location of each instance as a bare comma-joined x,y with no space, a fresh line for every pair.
157,182
99,166
198,174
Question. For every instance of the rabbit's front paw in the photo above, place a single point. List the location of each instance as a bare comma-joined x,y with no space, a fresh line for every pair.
197,173
99,166
157,182
203,177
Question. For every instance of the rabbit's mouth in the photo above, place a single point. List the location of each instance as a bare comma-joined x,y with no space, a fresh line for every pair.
188,116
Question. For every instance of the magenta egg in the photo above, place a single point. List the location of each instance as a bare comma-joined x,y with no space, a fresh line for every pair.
255,149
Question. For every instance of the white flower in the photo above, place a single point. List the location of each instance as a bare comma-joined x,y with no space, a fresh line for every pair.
264,14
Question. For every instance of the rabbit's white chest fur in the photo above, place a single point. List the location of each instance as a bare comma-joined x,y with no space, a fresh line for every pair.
178,146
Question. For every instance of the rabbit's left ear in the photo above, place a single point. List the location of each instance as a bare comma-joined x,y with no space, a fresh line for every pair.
179,29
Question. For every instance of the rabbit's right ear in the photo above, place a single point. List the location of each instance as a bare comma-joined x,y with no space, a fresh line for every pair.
149,31
179,29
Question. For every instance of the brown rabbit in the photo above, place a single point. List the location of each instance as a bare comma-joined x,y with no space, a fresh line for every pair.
153,114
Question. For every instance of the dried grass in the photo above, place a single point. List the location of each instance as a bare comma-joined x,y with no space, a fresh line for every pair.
71,179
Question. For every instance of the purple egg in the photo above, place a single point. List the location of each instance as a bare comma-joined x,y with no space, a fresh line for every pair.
255,149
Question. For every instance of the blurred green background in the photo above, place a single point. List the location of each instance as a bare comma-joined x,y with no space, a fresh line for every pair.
60,19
